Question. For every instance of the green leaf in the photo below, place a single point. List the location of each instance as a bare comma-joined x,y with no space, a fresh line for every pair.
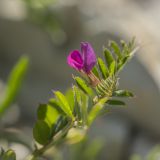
64,103
82,105
128,50
14,83
123,93
103,68
78,102
41,132
83,86
84,108
116,49
122,63
61,123
112,68
78,93
70,98
108,57
96,109
55,104
95,71
9,155
115,102
48,114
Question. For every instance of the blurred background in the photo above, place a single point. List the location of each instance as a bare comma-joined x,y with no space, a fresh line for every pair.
47,30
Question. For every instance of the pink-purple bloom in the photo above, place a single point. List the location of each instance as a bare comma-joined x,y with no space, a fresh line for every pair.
84,60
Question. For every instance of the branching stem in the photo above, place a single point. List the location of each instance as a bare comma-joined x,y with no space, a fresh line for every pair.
39,152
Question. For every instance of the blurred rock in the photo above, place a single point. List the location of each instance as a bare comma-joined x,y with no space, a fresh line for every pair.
14,10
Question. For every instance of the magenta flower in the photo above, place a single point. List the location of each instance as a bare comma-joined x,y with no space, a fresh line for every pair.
85,60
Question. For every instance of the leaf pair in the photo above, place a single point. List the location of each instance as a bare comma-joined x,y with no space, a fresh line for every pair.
83,86
48,115
105,70
117,56
47,118
64,104
110,68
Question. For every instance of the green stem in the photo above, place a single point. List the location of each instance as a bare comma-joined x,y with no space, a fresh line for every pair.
39,152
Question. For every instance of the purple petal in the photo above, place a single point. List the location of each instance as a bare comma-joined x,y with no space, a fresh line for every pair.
75,60
88,56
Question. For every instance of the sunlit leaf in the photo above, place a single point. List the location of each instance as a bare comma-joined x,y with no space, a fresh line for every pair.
103,68
84,108
112,68
70,98
83,86
55,104
82,104
78,102
63,103
48,114
108,57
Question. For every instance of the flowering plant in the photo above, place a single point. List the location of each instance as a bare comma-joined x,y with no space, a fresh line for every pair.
67,117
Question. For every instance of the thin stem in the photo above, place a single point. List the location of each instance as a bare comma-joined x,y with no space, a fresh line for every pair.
93,79
38,152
